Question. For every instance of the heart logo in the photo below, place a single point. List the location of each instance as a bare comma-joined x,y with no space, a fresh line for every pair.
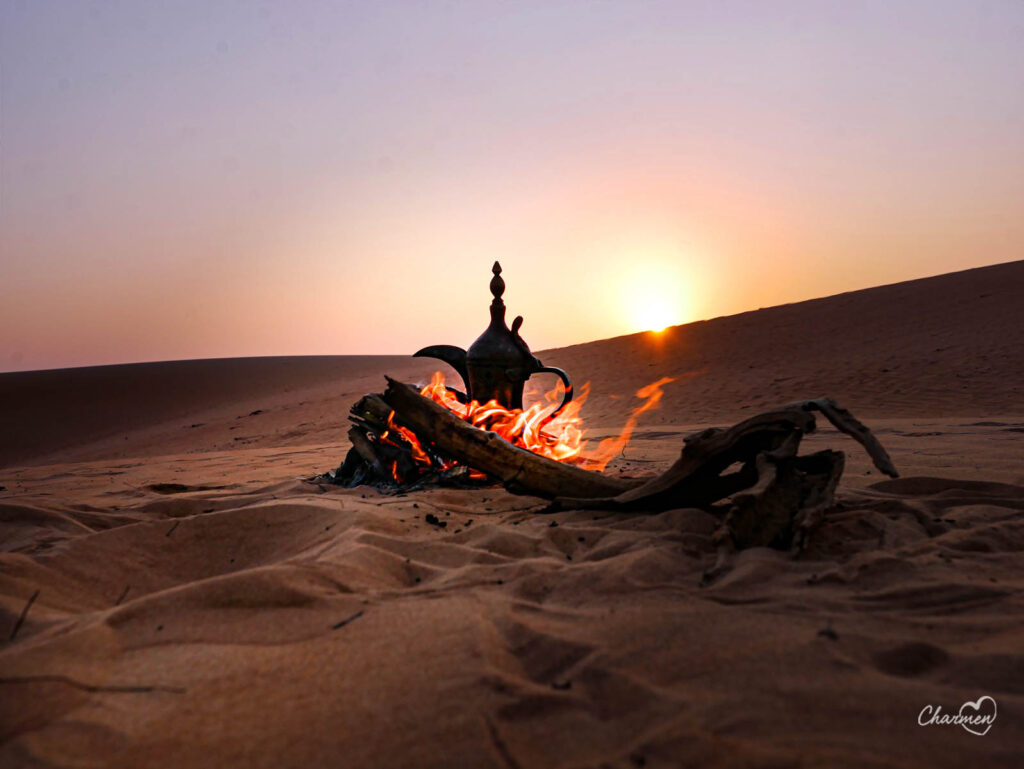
972,720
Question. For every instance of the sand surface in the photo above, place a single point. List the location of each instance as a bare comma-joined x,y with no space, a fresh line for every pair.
198,602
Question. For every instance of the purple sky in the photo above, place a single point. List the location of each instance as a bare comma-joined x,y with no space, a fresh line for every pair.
216,179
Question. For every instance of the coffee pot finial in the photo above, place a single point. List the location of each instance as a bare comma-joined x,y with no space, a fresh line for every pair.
497,283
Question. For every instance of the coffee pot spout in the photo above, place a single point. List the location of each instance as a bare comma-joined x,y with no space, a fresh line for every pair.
450,354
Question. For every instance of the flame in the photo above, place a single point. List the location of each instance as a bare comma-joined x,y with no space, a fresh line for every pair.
609,447
559,437
536,428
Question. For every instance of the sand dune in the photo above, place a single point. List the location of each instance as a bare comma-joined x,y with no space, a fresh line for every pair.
192,601
142,408
944,346
947,346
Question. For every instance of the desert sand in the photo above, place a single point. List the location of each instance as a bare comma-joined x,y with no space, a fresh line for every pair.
175,591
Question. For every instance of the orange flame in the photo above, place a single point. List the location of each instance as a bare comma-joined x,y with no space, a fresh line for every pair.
558,437
609,447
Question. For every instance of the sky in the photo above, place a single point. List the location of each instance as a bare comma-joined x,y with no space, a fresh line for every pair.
217,179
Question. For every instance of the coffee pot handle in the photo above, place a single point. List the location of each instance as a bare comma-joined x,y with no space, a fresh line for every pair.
567,396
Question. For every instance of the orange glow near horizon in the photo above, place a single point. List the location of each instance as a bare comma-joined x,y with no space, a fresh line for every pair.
655,314
652,296
337,179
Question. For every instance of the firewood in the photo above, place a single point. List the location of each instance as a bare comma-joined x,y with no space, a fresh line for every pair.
520,470
365,449
371,410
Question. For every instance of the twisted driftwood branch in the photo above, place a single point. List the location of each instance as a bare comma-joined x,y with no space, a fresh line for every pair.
777,497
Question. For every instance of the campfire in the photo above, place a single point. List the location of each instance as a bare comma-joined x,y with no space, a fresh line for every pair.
495,369
387,453
410,437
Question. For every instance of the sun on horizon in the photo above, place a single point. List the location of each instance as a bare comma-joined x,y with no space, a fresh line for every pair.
656,316
653,300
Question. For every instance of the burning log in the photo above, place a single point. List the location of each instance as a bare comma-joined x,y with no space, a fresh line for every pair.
448,443
521,471
384,452
775,497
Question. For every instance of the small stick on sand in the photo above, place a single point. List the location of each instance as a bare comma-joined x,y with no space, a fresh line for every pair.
171,530
24,613
344,622
124,594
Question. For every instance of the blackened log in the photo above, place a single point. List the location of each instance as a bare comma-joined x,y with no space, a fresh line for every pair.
372,411
362,446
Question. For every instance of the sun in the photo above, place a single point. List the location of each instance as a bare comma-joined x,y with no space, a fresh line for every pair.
655,314
652,307
653,289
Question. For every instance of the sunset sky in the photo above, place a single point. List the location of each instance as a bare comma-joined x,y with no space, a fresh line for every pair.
219,179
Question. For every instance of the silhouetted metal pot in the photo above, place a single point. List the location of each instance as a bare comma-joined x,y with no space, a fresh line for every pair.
499,362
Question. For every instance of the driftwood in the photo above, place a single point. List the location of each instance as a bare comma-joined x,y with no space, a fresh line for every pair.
789,499
696,478
775,497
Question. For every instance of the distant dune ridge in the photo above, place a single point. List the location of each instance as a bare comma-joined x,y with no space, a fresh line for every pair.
175,592
948,345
